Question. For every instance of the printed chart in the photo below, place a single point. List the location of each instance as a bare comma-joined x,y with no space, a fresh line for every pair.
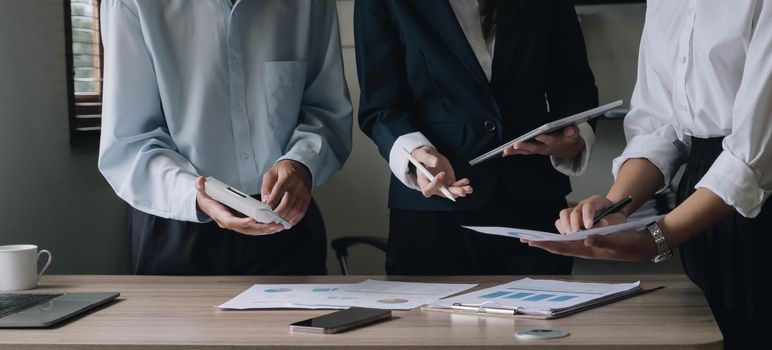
282,296
391,294
543,297
529,296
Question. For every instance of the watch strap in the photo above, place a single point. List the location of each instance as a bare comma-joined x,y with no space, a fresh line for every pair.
663,249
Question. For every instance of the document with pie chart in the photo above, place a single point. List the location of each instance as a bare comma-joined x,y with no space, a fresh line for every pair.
283,296
392,295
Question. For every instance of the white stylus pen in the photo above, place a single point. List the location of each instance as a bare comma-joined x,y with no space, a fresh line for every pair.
484,310
428,175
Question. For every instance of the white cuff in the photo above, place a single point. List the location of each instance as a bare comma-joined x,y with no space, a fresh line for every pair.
663,154
575,166
398,161
736,184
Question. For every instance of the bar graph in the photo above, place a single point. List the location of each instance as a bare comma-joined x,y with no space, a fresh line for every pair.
518,295
538,297
526,296
494,295
563,298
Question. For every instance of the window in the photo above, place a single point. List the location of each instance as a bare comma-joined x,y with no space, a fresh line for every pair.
84,61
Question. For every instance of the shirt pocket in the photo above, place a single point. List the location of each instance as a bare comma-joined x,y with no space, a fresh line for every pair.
284,85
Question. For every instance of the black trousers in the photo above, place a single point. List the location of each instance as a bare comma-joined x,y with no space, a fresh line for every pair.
730,262
434,243
170,247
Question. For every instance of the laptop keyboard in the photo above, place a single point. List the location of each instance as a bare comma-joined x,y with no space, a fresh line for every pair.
11,303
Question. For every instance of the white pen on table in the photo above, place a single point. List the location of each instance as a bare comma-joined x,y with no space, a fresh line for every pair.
484,309
427,174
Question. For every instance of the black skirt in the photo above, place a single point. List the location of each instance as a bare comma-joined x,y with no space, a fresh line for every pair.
730,261
434,243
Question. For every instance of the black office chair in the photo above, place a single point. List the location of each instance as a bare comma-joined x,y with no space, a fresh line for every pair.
340,246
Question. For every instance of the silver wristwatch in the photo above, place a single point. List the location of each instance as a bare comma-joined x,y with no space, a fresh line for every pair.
662,248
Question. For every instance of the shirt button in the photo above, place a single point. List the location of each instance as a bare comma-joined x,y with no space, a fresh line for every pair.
244,156
233,61
684,109
238,108
682,59
489,126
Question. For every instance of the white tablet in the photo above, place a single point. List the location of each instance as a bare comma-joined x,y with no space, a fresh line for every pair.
575,119
242,202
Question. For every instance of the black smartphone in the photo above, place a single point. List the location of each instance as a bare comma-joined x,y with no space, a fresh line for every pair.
340,320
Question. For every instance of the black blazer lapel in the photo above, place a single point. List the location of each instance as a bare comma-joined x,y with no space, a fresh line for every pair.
442,19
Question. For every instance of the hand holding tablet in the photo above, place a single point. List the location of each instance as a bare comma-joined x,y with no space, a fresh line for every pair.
551,127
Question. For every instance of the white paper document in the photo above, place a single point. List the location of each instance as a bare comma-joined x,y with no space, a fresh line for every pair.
284,296
576,236
539,297
390,294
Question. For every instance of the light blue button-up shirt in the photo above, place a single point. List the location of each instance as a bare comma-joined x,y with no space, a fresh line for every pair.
210,88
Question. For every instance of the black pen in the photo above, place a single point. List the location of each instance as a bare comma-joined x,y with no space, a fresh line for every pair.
612,209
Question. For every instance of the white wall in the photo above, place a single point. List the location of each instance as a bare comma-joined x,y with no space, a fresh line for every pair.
50,194
354,201
53,195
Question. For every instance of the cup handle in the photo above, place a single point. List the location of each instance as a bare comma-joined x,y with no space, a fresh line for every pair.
48,262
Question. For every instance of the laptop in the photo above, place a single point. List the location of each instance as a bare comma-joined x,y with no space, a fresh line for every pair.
27,310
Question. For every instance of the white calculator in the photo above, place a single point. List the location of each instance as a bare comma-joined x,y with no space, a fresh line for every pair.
242,202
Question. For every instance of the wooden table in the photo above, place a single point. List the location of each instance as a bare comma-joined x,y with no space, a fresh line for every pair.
176,312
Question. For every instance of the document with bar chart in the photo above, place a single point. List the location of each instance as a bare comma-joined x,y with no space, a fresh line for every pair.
539,297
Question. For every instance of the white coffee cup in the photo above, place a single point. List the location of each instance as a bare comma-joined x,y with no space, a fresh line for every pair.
19,267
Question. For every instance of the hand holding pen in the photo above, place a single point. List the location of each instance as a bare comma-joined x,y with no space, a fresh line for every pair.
588,213
612,209
444,182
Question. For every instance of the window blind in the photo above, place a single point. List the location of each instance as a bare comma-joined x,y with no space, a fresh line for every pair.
85,65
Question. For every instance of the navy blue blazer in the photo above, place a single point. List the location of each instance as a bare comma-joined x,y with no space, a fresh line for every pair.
417,72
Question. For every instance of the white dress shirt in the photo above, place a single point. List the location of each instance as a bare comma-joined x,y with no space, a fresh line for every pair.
213,88
705,70
468,15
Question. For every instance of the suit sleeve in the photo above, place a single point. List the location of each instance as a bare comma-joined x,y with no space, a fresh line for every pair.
383,83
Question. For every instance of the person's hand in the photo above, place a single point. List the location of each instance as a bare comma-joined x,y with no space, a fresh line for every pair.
581,216
225,218
622,246
564,144
287,189
443,173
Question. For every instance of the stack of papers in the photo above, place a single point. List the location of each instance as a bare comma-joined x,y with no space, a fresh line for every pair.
390,295
539,297
532,235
